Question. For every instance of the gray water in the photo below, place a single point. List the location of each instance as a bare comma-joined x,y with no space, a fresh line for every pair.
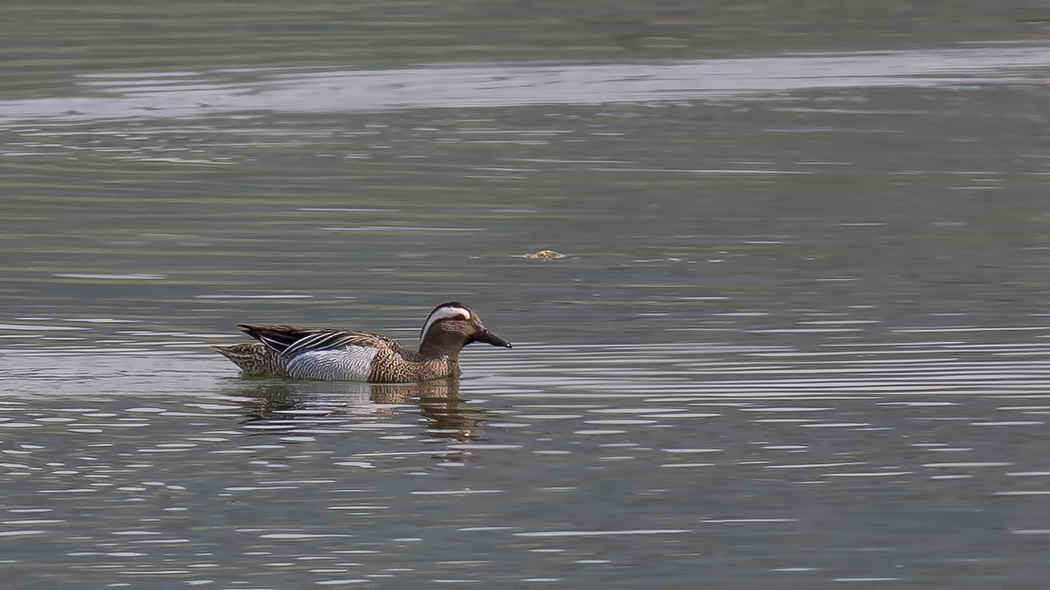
798,336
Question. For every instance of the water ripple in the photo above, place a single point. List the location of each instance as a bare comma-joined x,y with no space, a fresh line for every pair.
536,454
198,94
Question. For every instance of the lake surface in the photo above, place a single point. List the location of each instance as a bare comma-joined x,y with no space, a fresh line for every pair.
798,337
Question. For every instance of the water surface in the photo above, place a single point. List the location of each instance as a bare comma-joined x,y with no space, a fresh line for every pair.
798,337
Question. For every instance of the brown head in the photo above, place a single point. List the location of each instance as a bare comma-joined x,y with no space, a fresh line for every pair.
450,327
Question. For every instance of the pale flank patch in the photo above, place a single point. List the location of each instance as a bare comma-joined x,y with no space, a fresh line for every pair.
353,363
441,314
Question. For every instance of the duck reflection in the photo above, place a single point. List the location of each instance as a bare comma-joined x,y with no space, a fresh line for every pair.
324,407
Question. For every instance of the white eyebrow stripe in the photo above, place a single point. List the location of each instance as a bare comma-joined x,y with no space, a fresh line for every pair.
443,313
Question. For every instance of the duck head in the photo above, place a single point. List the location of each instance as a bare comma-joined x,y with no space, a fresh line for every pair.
452,324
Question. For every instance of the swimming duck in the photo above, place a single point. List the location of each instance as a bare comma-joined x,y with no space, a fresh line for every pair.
342,355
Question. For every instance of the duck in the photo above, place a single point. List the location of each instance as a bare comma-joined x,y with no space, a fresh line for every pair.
344,355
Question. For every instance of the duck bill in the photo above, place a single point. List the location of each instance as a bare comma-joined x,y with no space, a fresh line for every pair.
487,337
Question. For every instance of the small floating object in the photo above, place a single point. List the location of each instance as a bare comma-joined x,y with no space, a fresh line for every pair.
545,255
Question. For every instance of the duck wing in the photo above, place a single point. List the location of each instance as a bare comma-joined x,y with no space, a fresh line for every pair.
290,341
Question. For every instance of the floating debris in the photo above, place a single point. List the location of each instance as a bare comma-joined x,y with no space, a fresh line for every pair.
545,255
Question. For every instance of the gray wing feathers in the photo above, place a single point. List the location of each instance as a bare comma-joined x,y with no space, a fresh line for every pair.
290,341
328,340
